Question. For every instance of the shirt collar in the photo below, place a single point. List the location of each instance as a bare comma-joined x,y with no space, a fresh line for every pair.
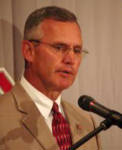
43,103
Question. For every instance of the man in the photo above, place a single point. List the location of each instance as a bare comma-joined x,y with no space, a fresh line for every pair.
52,49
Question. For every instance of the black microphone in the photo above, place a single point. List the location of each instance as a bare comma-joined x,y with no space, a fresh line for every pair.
89,104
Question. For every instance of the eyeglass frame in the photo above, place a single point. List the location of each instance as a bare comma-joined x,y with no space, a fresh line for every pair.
63,48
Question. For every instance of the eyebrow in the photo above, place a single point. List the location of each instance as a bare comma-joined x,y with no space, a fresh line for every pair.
63,43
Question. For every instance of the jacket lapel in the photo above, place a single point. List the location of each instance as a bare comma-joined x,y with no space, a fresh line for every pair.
75,124
79,125
33,120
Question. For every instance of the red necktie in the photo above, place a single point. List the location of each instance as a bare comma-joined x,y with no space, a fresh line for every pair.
60,129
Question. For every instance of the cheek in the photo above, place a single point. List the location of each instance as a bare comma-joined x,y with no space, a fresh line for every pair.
46,61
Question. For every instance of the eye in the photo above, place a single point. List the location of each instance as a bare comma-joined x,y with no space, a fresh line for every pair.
60,46
78,50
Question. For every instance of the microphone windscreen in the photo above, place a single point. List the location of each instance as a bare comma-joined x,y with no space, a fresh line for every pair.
84,102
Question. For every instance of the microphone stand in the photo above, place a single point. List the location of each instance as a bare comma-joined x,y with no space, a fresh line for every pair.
105,124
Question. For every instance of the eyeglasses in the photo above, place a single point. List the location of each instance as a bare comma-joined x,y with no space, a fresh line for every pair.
58,46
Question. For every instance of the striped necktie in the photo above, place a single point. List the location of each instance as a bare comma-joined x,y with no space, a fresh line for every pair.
60,129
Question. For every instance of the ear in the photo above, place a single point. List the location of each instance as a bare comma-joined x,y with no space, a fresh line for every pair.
27,50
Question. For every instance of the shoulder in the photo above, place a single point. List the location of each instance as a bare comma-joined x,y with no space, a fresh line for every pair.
9,114
7,111
5,99
8,100
8,103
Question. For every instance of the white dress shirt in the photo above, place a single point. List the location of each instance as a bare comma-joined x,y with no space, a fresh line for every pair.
43,103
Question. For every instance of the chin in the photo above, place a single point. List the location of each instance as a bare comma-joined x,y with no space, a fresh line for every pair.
62,86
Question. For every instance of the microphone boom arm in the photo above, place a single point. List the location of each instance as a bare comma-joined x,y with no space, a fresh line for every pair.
105,124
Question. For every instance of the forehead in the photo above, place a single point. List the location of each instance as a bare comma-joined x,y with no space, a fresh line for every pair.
58,30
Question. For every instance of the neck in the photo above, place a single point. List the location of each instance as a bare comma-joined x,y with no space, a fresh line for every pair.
36,83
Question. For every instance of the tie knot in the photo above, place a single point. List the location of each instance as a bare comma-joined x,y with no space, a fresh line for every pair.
55,108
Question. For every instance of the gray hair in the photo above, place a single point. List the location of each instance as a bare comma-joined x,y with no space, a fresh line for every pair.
50,12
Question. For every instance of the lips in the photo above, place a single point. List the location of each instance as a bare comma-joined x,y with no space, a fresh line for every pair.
65,72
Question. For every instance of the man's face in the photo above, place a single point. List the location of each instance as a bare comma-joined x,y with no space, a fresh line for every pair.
55,63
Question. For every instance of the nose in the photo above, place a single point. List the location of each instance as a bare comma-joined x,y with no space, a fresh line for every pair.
69,57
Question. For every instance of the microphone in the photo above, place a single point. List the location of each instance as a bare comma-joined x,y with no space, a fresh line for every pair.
89,104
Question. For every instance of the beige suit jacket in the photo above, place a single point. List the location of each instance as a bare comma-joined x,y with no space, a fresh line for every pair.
22,127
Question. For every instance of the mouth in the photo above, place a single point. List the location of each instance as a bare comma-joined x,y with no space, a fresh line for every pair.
65,73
